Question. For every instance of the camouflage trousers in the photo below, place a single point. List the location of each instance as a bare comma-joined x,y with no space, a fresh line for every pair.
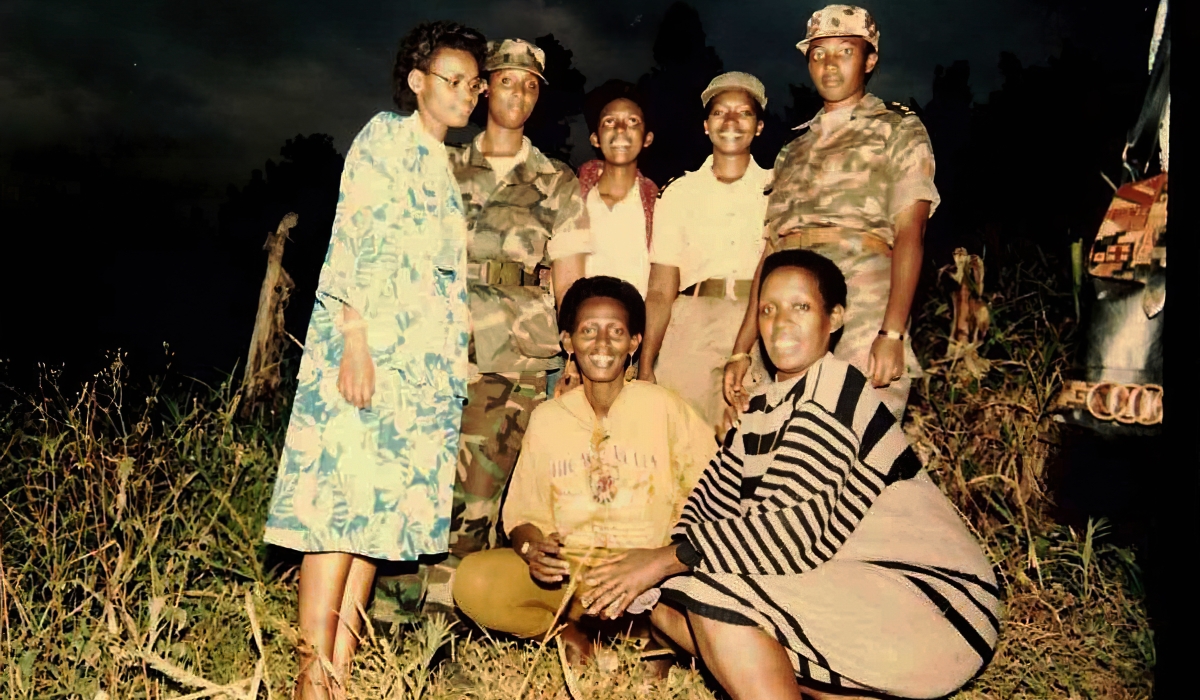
493,426
868,285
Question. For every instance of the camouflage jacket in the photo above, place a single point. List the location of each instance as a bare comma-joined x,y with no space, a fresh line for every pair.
531,216
854,174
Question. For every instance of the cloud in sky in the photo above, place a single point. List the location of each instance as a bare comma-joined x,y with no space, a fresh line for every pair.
206,90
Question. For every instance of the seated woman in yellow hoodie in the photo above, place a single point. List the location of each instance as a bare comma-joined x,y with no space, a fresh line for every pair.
604,468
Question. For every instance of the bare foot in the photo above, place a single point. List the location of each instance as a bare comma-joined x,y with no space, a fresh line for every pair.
579,646
312,683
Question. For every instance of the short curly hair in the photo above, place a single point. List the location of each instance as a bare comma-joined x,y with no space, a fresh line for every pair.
417,50
586,288
830,280
596,100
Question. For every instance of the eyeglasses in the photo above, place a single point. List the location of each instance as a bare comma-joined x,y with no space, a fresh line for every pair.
477,86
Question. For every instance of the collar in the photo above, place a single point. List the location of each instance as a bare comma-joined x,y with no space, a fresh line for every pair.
576,403
420,136
589,174
777,391
754,174
530,161
868,106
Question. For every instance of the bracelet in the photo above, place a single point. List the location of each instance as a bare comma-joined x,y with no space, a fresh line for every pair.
737,357
893,335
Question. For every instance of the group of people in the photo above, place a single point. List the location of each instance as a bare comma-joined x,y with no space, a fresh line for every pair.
681,407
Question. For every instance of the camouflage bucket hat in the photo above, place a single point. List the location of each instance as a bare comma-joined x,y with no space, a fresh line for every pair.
516,53
735,80
840,20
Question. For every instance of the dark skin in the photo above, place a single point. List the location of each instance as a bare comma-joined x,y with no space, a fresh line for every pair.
334,585
600,342
620,135
512,94
838,67
731,125
795,323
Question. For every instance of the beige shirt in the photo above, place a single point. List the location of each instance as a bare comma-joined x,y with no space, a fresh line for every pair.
619,239
708,228
615,482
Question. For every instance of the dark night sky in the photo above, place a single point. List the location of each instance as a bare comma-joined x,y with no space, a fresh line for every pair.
169,103
203,91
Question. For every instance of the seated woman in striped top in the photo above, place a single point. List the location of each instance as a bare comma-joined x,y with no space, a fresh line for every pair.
815,554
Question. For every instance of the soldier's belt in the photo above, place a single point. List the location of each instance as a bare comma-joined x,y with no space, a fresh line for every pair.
497,272
813,237
716,287
1107,401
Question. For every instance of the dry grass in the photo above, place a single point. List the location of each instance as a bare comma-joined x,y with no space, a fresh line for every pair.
131,565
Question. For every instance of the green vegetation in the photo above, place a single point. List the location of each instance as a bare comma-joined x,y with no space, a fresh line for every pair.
131,562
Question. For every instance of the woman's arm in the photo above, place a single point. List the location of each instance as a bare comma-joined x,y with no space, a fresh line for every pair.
620,580
886,362
540,552
356,373
735,372
660,296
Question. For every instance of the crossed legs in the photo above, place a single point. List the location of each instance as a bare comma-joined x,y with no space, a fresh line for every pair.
333,585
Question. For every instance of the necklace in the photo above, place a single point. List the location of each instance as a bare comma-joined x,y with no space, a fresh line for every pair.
602,474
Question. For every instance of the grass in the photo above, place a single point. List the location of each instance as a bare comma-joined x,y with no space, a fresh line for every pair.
131,563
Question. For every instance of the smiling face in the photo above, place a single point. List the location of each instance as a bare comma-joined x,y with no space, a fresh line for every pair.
621,132
601,340
512,94
447,92
839,66
793,322
732,122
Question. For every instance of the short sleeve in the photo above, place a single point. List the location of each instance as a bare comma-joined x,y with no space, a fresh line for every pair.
666,245
571,234
910,159
528,500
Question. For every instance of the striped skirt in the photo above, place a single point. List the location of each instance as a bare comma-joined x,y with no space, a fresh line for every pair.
908,607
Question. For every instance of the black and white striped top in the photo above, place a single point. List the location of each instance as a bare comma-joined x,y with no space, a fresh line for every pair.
786,490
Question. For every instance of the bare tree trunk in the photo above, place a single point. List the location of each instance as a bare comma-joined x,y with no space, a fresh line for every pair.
261,377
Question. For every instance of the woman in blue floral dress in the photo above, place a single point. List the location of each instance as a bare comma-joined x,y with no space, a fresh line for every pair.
367,469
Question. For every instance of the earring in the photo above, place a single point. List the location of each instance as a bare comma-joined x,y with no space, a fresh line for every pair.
628,360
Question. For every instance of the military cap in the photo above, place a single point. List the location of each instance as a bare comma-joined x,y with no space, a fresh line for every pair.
516,53
840,20
735,80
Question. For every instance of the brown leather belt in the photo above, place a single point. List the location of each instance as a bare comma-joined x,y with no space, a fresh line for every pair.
715,287
504,273
813,237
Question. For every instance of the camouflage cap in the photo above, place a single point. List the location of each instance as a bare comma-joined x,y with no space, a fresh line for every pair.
840,20
735,80
516,53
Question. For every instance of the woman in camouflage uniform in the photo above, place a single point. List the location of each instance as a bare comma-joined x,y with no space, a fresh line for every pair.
858,188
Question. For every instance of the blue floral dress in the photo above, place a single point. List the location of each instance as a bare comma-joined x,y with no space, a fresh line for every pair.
378,481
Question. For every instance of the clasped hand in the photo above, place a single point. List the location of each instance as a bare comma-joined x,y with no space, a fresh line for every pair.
541,554
619,580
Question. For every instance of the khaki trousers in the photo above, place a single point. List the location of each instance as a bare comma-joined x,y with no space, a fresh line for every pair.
698,340
494,588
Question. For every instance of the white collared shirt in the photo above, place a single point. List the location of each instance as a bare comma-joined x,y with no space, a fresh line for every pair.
708,228
619,239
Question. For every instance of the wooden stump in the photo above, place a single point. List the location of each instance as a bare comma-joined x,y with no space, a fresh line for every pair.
261,377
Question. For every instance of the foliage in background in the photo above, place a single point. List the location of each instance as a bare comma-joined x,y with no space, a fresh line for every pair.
131,563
